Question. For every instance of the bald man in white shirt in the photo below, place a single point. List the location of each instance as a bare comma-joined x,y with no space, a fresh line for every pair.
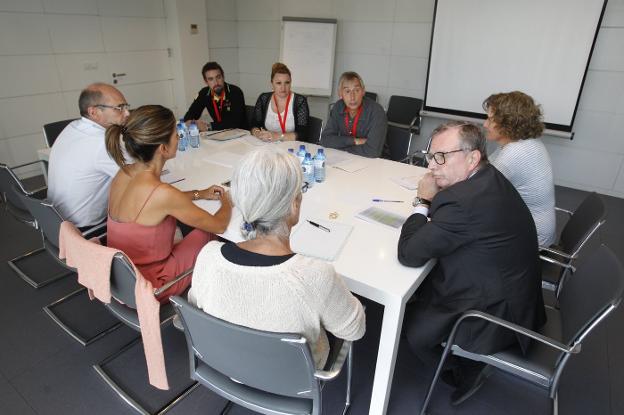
80,169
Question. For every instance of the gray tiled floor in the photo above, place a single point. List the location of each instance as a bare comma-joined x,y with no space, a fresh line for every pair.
43,371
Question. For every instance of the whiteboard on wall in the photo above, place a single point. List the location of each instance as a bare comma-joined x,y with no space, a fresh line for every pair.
308,47
482,47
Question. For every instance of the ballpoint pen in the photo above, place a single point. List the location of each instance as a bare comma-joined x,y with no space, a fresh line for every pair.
318,225
390,201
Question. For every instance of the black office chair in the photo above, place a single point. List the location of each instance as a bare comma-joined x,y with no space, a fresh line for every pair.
559,258
83,320
585,301
403,124
52,130
249,113
315,129
123,307
11,191
371,95
270,373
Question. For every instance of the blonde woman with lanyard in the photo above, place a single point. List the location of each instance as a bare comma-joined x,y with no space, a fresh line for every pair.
280,115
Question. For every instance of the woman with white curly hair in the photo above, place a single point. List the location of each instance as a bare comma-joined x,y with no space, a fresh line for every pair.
261,283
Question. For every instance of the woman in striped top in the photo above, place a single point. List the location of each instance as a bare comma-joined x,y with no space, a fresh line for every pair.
515,122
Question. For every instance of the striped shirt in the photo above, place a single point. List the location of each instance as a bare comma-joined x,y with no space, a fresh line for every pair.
526,164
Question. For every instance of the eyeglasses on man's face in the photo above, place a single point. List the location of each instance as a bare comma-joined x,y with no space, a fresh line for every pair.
440,156
120,107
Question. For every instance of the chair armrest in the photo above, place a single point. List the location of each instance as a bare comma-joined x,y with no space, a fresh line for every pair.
518,329
93,229
29,164
557,252
412,125
558,263
159,291
566,211
34,192
337,364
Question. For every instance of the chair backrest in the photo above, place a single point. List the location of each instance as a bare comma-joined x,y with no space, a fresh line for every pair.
587,218
10,188
371,95
404,111
47,217
123,280
315,127
397,143
272,362
595,291
52,130
249,113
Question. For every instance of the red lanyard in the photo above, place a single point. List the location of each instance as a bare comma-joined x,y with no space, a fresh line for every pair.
353,131
279,116
214,105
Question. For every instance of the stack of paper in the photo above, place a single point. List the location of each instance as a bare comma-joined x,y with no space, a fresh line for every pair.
377,215
409,182
352,165
316,242
224,135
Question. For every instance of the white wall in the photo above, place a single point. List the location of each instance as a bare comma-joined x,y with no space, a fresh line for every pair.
223,37
189,49
51,49
387,42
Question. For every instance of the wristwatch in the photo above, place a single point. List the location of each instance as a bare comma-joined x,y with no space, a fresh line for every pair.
421,201
196,195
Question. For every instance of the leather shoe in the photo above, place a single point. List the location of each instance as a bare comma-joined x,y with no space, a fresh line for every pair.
469,387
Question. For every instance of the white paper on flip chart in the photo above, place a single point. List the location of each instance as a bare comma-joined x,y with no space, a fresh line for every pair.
224,158
352,165
409,182
312,241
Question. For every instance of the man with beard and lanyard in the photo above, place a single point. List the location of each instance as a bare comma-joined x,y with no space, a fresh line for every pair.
225,102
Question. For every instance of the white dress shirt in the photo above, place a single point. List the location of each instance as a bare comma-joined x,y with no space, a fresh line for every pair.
80,173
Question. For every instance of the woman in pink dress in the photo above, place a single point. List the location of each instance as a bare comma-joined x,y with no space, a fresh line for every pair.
142,210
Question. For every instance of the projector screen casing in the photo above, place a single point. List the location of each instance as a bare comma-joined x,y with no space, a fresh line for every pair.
482,47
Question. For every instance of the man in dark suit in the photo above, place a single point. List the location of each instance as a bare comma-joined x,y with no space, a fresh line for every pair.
225,102
473,221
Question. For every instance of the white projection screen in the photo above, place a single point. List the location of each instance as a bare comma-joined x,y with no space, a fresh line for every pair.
540,47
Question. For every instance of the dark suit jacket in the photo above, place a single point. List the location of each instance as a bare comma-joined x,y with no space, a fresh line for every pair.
232,113
485,241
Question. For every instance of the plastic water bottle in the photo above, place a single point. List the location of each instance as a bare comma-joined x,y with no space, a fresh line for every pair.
183,141
301,153
194,135
319,166
308,169
186,130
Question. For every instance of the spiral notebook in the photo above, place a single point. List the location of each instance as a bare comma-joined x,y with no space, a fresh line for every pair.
312,241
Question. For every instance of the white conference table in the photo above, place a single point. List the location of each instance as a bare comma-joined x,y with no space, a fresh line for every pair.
368,261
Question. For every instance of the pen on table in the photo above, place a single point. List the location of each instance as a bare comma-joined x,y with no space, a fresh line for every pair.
318,225
176,181
389,201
